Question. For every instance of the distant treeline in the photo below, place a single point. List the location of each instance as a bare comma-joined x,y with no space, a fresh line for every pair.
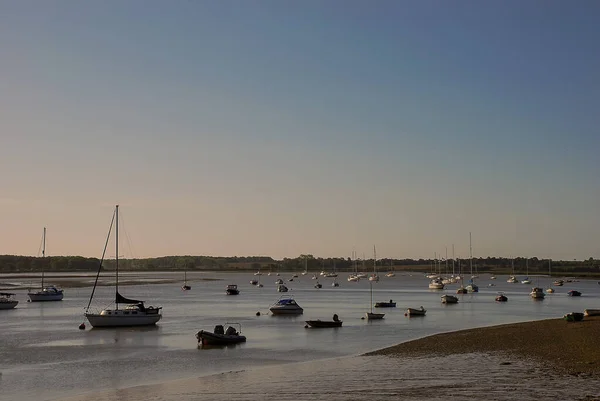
496,265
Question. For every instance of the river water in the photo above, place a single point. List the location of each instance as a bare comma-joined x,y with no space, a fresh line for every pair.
44,356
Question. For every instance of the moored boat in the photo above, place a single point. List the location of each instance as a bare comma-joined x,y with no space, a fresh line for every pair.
220,336
335,322
449,299
286,306
416,312
384,304
48,293
232,289
591,312
135,313
574,293
501,298
7,300
537,293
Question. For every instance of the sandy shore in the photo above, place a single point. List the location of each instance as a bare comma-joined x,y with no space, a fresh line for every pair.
570,348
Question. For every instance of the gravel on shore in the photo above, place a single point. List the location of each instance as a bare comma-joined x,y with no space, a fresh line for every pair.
568,347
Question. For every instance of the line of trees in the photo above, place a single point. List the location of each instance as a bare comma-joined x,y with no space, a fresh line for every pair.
496,265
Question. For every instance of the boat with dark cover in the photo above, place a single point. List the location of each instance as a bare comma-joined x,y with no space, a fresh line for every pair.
220,336
335,322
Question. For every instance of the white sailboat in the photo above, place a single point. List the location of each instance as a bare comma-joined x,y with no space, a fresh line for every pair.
49,293
135,313
472,287
550,290
374,276
526,280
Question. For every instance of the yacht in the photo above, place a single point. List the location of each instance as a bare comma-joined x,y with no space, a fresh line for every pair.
286,306
46,294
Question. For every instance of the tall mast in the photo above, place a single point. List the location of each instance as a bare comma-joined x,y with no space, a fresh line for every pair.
374,260
446,260
470,254
117,250
43,255
453,259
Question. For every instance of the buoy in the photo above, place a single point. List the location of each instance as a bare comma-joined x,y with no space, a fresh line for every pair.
406,314
306,326
362,318
258,313
82,326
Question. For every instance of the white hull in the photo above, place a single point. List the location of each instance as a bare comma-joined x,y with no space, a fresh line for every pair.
44,297
120,320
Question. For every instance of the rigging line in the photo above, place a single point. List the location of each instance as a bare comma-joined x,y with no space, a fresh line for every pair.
41,244
131,250
101,260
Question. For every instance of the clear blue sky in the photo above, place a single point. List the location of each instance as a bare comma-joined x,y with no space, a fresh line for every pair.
280,128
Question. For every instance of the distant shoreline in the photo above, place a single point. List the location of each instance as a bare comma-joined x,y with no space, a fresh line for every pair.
568,347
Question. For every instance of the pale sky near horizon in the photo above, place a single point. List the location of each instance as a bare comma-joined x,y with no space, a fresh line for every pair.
280,128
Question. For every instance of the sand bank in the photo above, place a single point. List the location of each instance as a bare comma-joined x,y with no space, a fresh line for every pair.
570,348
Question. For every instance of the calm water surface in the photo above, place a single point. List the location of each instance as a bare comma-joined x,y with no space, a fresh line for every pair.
281,359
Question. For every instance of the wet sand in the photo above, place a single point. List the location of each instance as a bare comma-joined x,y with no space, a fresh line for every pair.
567,347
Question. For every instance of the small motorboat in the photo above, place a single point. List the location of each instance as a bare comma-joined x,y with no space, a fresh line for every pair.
282,288
559,283
232,289
220,336
416,312
390,304
492,277
335,284
537,293
461,290
573,317
286,306
374,316
449,299
574,293
591,312
254,282
7,300
512,279
335,322
318,285
279,281
501,298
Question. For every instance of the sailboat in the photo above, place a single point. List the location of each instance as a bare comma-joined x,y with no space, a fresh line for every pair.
471,287
512,279
185,286
550,290
135,313
49,293
374,276
461,289
370,315
526,280
354,276
391,272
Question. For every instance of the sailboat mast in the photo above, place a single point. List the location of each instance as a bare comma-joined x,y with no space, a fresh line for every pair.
470,255
117,252
374,260
43,255
453,260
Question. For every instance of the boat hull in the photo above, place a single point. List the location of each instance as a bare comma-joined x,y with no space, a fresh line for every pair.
44,297
103,320
8,304
449,299
374,316
415,312
286,311
385,305
324,323
207,338
591,312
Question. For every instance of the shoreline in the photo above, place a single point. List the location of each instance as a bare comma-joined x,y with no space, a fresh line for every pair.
567,347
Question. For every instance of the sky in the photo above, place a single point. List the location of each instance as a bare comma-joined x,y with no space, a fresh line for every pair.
280,128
